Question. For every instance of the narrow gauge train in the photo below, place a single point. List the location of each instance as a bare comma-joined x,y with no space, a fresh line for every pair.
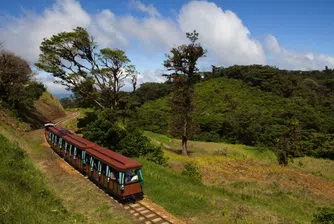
119,175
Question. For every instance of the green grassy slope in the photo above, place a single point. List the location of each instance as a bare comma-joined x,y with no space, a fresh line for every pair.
240,184
23,194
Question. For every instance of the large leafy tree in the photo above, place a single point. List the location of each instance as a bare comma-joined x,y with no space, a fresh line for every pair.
181,63
15,75
95,75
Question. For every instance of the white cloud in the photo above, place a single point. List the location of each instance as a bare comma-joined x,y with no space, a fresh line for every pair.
24,35
149,9
48,81
160,34
286,59
222,33
106,29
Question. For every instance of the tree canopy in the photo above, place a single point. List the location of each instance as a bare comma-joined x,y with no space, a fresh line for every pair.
74,59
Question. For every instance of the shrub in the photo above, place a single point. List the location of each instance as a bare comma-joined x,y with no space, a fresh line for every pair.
192,170
135,144
324,216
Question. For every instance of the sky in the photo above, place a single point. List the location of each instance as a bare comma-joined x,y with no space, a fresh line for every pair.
289,34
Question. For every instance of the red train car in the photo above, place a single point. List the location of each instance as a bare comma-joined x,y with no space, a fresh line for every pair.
119,175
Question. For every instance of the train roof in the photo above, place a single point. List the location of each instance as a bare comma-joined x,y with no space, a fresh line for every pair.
78,141
114,159
58,131
117,160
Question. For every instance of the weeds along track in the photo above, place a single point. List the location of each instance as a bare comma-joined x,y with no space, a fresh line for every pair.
142,213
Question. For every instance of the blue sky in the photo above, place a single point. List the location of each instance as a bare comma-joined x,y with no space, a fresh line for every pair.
295,34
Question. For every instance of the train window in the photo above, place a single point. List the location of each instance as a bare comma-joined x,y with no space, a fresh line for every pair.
65,147
83,157
103,169
99,167
60,142
75,152
70,151
91,163
131,177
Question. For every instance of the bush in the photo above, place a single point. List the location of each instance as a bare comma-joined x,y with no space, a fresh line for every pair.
192,170
104,129
135,144
324,216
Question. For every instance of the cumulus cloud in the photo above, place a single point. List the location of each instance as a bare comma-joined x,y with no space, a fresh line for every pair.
24,35
284,58
106,30
161,34
149,9
222,33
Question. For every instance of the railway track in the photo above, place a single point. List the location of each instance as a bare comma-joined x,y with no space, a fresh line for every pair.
143,213
146,214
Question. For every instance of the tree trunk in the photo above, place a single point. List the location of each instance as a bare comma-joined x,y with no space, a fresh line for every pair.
184,146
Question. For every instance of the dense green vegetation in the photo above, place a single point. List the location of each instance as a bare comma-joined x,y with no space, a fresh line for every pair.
254,105
24,196
106,129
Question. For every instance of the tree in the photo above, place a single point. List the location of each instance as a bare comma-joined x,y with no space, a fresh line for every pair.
134,79
151,91
73,58
289,144
15,74
115,70
181,62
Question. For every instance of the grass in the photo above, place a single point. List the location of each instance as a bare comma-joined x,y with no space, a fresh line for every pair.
240,184
198,203
24,196
197,148
49,107
318,167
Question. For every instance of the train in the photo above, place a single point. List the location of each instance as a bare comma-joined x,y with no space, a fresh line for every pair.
118,175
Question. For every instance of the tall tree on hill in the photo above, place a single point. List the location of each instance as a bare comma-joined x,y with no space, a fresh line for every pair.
95,75
181,62
134,79
289,144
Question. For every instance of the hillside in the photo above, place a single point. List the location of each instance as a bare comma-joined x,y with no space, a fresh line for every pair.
231,110
24,196
49,107
239,184
46,107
